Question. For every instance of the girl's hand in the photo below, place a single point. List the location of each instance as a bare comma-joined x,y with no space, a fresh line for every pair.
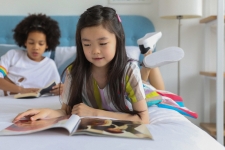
35,114
83,110
58,89
28,90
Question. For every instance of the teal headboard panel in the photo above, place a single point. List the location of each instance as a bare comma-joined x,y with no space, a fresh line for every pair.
135,27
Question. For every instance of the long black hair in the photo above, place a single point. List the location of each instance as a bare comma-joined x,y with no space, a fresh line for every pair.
81,67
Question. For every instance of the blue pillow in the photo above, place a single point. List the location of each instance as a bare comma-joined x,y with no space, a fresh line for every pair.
6,47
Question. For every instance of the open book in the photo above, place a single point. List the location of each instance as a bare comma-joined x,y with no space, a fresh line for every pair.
81,125
44,91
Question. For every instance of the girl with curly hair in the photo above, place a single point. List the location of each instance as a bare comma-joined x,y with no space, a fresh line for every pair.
24,71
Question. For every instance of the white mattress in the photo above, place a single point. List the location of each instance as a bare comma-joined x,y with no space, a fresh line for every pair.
170,130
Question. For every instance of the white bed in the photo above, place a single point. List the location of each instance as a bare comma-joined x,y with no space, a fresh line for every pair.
170,131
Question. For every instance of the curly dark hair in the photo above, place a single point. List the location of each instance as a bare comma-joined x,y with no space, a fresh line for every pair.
41,23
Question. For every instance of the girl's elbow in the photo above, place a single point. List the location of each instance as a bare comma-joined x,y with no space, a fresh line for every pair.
145,121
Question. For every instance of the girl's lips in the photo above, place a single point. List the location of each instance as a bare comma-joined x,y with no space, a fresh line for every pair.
97,58
34,54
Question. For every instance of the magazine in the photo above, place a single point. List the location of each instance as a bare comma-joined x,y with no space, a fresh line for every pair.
76,125
42,92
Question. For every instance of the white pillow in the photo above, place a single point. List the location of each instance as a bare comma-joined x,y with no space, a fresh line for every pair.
133,52
64,56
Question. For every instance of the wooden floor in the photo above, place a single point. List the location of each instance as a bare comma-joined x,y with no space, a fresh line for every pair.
210,128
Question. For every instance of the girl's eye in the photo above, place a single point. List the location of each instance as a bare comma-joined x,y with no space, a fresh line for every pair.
87,44
103,43
31,43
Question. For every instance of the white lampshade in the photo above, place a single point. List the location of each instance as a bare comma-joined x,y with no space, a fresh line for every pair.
170,9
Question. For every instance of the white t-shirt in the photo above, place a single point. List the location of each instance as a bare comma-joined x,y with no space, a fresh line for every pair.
15,64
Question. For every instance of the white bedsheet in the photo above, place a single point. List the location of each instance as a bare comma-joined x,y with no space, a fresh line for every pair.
170,130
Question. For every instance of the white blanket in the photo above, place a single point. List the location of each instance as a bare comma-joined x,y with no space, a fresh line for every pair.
170,130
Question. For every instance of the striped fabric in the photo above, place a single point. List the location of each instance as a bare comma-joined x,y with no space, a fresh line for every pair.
175,102
165,99
101,100
152,97
66,88
135,90
93,98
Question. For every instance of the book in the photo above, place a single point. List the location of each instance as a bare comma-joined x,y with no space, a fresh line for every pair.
76,125
42,92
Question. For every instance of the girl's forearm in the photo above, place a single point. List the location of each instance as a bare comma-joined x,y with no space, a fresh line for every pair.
58,113
123,116
8,86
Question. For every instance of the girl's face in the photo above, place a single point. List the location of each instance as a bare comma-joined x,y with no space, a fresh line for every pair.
36,45
99,45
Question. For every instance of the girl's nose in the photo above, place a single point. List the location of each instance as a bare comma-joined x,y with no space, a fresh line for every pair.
95,51
35,46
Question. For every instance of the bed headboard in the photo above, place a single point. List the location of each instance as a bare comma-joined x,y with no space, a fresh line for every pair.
134,26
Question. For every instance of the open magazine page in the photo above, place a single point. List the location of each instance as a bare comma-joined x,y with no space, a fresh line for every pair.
27,126
108,127
72,122
42,92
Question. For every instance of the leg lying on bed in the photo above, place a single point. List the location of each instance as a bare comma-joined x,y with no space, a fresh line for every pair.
151,61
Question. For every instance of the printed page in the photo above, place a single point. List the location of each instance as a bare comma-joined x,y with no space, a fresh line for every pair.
42,92
71,123
26,95
28,126
108,127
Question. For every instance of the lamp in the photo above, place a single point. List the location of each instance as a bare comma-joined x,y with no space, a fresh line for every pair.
180,9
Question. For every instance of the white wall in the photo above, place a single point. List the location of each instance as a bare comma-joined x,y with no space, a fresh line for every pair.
191,39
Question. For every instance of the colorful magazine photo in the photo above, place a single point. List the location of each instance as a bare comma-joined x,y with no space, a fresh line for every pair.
76,125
